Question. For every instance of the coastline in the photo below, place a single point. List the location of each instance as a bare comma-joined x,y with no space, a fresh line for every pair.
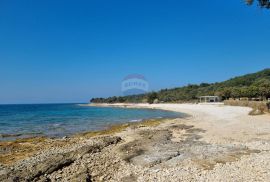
215,142
110,121
66,120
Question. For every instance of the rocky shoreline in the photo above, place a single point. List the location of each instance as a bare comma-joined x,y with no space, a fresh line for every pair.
215,143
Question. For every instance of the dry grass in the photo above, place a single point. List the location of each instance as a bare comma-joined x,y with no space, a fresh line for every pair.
112,130
121,127
259,107
12,151
19,149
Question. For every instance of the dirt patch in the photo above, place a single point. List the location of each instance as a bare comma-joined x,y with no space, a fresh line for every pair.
230,156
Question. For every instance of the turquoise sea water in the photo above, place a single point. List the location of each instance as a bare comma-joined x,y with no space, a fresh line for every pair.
58,120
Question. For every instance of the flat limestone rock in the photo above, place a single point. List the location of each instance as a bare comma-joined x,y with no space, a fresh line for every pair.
37,170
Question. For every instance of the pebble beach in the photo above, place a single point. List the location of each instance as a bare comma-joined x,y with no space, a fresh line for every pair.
213,143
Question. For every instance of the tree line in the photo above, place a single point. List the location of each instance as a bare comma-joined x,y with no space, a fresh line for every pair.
256,85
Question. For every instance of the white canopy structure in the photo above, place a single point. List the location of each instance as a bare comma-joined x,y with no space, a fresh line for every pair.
206,99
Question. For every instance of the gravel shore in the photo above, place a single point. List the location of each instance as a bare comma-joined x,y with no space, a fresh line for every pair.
214,143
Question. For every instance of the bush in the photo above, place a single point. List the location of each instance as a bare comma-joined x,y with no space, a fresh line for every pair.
255,112
151,97
268,105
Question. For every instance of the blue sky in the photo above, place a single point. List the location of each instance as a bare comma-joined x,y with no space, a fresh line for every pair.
70,51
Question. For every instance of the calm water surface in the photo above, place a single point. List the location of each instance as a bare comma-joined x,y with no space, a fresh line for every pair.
57,120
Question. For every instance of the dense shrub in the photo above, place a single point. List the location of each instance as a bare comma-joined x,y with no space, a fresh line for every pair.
151,97
256,85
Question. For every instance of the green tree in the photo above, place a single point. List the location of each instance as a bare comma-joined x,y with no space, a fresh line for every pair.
264,89
151,97
226,93
236,93
121,99
251,85
262,3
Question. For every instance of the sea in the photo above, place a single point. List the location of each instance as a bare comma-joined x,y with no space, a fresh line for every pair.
60,120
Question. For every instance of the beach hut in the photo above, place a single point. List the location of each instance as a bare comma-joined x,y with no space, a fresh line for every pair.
206,99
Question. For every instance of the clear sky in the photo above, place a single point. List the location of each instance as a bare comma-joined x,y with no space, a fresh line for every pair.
70,51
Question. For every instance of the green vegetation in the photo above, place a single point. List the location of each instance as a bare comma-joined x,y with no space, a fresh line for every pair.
262,3
256,85
151,97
